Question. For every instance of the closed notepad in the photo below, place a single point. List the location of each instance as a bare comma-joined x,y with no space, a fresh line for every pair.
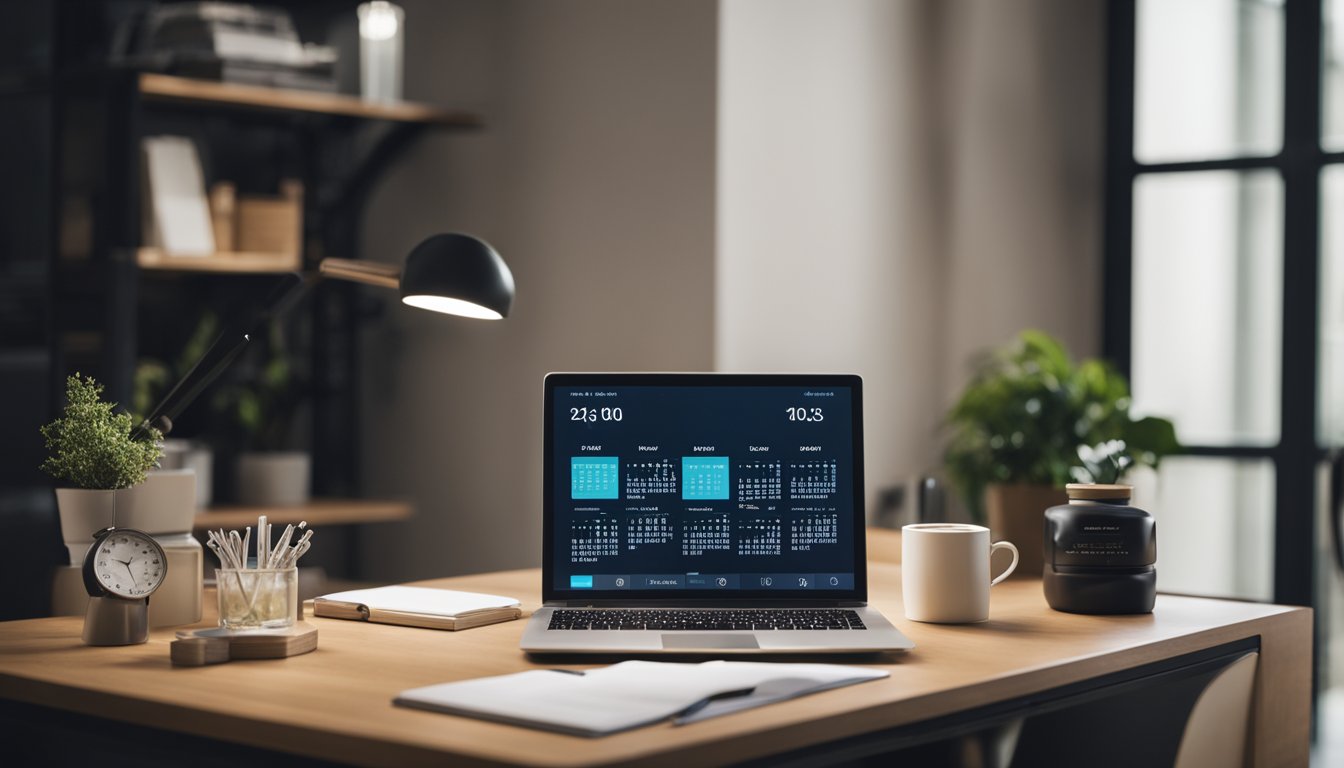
598,702
418,607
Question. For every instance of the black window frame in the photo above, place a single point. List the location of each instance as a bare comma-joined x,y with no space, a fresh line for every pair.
1297,455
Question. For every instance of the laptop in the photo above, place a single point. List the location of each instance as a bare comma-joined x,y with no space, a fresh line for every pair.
705,513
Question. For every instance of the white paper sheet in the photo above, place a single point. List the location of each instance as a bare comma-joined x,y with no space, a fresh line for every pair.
630,694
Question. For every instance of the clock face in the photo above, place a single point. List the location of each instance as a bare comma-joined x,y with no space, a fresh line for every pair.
129,564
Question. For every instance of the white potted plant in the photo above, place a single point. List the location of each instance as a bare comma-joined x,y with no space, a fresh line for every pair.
107,477
94,456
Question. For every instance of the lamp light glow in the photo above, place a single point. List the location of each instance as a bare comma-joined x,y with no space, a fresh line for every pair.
451,306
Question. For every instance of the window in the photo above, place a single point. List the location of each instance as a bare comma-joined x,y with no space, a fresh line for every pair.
1219,154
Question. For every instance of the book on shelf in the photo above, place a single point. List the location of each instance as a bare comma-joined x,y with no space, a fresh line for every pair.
418,607
177,214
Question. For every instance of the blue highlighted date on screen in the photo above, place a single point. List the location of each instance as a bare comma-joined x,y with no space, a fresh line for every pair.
594,477
703,478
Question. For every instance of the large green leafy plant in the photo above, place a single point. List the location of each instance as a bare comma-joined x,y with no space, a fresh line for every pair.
91,446
1031,415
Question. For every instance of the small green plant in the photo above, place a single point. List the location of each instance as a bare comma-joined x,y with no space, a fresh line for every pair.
91,446
1030,415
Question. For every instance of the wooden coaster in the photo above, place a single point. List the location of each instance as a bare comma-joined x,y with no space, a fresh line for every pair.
218,645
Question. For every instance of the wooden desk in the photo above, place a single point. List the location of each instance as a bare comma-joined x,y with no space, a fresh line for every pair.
335,703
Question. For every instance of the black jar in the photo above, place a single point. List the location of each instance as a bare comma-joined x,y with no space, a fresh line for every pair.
1100,553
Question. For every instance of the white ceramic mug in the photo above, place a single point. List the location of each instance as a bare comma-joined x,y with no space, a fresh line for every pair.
945,572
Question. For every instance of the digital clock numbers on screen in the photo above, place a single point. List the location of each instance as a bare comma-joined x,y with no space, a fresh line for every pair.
605,413
805,414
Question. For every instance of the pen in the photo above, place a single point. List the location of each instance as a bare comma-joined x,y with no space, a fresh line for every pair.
263,541
273,561
302,548
292,555
222,550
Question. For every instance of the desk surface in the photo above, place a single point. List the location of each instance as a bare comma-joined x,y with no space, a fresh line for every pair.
335,703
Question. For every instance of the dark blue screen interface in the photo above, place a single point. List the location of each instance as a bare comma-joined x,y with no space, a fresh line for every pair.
703,488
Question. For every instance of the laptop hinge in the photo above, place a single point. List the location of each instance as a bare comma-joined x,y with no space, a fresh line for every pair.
646,605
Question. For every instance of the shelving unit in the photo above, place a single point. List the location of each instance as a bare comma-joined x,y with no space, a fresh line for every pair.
318,512
155,87
115,300
236,262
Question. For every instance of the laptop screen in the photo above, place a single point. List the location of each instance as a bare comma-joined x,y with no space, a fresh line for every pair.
703,487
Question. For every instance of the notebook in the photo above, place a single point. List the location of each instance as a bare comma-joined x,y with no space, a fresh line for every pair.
631,694
704,513
418,607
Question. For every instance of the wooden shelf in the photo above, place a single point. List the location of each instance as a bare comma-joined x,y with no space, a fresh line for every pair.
317,512
229,262
209,92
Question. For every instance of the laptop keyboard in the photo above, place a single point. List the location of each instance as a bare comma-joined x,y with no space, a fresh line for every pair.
705,619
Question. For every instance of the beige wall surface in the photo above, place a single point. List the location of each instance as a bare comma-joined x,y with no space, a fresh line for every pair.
827,245
594,179
1024,156
901,187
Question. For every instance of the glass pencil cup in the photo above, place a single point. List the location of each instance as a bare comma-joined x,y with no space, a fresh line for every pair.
257,598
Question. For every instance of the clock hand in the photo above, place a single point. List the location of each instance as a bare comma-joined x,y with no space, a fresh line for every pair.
127,565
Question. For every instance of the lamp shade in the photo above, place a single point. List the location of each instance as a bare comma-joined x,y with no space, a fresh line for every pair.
457,274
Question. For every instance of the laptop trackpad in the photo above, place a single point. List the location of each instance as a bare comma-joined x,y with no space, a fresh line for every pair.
697,640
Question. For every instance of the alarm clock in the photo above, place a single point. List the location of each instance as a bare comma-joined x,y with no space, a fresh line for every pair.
121,570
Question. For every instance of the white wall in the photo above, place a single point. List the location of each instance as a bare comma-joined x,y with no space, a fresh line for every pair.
902,186
827,246
1024,160
594,179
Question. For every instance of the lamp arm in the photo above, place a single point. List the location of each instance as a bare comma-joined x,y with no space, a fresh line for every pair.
359,271
238,330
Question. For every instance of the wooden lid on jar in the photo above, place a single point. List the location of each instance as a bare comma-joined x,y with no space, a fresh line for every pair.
1098,492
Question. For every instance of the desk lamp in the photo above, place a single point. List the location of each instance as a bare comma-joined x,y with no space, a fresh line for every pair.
450,273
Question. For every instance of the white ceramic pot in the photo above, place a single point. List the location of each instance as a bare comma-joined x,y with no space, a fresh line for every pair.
83,513
188,454
165,503
274,479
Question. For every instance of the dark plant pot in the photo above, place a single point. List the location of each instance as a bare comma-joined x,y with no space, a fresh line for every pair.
1017,513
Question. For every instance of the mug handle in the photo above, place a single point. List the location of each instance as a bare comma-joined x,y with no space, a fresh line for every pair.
1011,566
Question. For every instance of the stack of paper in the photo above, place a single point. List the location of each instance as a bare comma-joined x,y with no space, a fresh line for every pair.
630,694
